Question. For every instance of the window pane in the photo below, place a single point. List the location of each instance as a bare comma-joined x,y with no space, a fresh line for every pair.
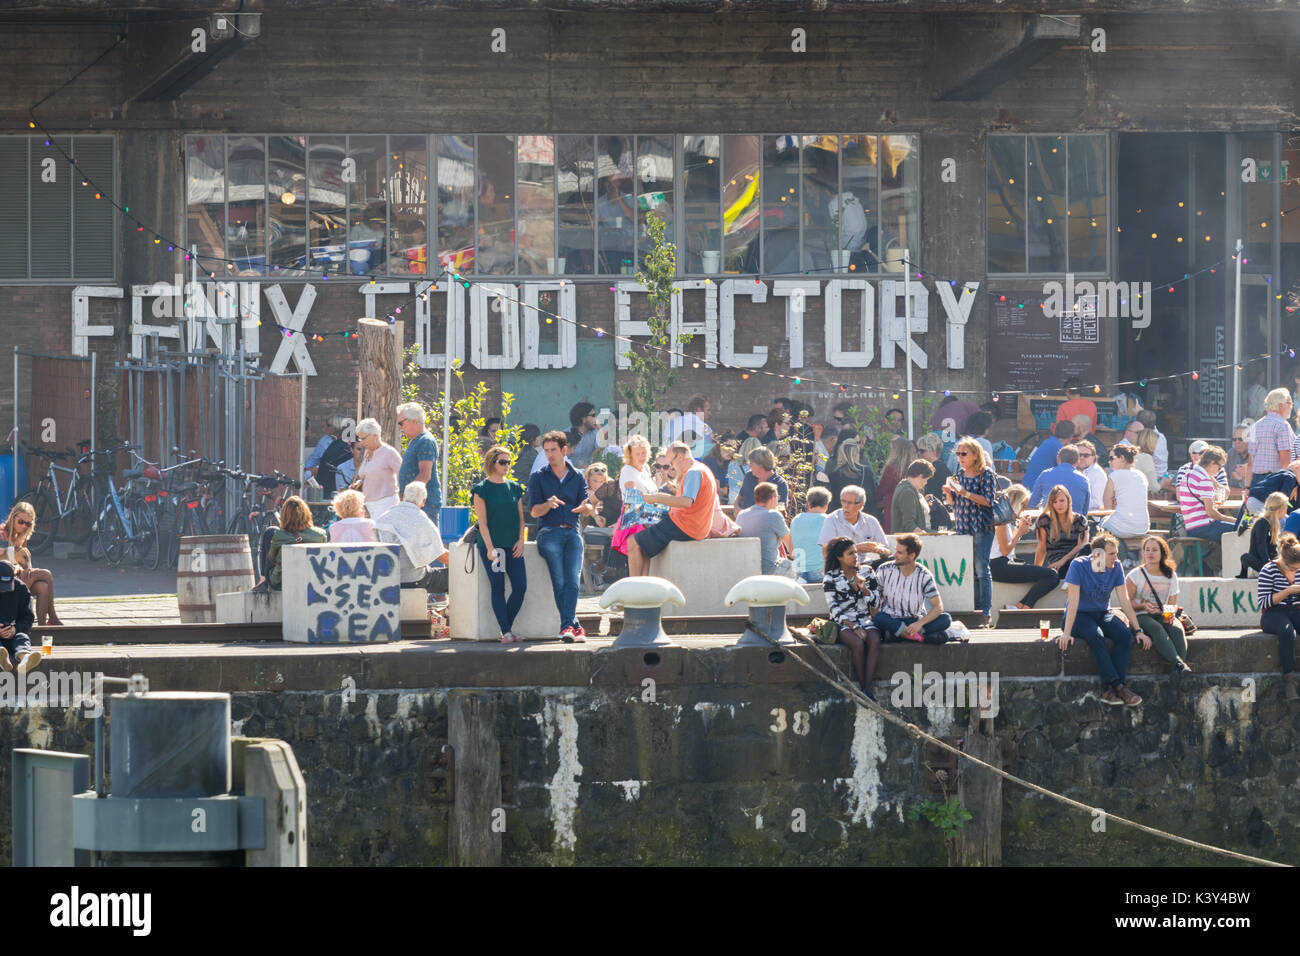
286,198
205,193
13,207
1006,201
246,230
536,172
368,205
701,184
859,223
52,211
408,194
1046,203
1087,194
780,204
327,200
496,206
654,189
92,219
616,206
900,198
740,204
455,203
576,165
821,201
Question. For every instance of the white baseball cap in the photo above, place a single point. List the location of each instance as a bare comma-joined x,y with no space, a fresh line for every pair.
1198,446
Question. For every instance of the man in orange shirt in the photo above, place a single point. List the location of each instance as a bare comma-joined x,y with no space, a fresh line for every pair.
1075,405
690,514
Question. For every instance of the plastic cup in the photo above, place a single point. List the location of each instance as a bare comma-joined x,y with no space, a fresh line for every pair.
47,645
1169,611
1044,628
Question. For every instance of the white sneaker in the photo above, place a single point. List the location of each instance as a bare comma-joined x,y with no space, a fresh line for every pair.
1011,607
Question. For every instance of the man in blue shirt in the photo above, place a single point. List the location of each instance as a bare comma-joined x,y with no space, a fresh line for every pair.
1089,583
558,498
420,460
1063,474
762,467
1044,455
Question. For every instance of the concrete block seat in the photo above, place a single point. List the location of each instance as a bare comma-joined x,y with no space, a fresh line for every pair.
1210,602
246,607
705,571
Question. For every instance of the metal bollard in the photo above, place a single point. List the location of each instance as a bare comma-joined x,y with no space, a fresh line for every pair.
767,595
642,600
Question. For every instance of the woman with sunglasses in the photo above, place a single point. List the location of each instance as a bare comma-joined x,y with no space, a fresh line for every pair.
15,534
970,492
499,507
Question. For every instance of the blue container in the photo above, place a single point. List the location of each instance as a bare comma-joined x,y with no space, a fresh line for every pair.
453,524
7,465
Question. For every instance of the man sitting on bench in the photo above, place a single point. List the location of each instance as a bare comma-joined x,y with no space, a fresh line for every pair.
905,588
690,514
422,558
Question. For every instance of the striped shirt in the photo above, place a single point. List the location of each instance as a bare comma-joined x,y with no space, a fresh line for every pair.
1271,436
906,595
1222,478
1271,581
1196,487
846,605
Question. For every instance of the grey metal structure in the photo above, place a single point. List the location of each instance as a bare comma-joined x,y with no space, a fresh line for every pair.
171,802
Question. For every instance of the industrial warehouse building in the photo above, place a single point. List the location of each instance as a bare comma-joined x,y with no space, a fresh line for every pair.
329,161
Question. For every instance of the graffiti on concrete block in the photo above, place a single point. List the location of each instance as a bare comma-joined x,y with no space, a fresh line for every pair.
353,595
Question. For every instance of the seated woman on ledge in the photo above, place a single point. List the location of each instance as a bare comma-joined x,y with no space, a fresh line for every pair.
14,535
295,528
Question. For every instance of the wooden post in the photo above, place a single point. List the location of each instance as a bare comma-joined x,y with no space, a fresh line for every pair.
477,820
379,374
979,841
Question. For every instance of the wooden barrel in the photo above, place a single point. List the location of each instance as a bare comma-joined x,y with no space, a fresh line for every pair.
210,565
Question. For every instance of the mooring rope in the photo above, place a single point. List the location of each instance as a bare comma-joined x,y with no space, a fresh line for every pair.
847,687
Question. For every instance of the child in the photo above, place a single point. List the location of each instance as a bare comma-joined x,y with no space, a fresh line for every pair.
15,622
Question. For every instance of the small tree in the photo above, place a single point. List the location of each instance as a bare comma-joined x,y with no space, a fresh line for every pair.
650,368
463,451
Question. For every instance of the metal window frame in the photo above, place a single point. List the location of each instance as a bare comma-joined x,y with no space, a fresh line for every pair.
1106,137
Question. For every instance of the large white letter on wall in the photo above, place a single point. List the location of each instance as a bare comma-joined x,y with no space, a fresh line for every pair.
82,330
958,312
293,344
708,328
894,327
623,324
488,300
797,293
425,336
836,355
141,331
566,307
727,291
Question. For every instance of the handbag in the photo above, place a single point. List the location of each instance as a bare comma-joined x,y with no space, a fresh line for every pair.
1003,513
1180,615
823,631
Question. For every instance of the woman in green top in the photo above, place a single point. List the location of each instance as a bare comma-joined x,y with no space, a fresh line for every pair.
295,528
499,507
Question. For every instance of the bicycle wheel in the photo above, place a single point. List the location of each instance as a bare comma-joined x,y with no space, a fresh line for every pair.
76,524
47,519
112,535
145,550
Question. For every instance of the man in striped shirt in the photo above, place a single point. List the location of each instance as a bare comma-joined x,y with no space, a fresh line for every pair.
906,588
1196,498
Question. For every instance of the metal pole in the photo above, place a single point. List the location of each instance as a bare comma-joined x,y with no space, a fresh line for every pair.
907,333
94,394
302,424
1236,343
446,395
14,434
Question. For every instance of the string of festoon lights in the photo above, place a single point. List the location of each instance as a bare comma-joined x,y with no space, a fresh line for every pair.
205,262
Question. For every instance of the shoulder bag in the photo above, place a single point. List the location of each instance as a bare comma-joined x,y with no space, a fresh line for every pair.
1179,613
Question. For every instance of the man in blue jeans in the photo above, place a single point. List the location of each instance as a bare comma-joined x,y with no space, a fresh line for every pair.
557,496
1089,583
905,588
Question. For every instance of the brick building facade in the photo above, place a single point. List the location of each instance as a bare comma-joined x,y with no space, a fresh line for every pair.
1180,92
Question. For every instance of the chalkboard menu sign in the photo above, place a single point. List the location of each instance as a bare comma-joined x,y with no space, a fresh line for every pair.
1028,350
1036,413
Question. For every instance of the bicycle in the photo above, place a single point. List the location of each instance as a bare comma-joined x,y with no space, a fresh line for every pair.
120,528
75,507
259,509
